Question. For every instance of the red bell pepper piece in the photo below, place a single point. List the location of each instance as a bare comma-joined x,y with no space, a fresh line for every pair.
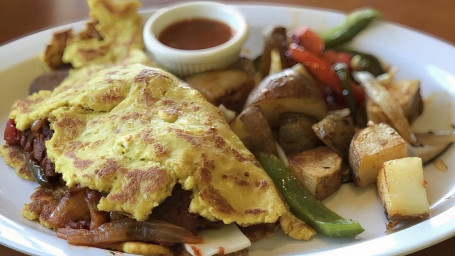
12,135
333,57
309,39
322,70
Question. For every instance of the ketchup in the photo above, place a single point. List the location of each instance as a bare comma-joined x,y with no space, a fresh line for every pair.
195,34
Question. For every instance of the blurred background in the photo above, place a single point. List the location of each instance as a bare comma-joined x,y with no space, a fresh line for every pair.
20,17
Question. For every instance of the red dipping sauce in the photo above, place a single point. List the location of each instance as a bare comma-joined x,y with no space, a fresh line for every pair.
195,34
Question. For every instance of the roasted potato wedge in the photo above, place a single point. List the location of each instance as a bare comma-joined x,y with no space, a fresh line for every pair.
228,87
319,170
292,90
407,94
275,42
336,132
254,131
372,146
388,104
295,133
401,187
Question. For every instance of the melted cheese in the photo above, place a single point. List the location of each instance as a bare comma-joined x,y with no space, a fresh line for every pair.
133,132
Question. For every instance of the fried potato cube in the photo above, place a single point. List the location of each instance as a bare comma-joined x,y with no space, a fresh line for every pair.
319,170
372,146
227,87
336,132
407,94
402,190
291,90
254,131
295,227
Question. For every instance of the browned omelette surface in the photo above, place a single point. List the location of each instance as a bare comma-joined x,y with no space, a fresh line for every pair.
133,132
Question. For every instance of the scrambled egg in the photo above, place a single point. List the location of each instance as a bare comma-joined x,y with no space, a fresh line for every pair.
133,132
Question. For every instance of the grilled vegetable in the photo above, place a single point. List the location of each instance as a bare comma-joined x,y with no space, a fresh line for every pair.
319,170
407,94
295,132
307,38
366,62
345,78
391,108
303,205
291,90
321,69
402,190
12,135
275,39
125,230
37,172
354,23
434,144
253,130
336,132
228,87
371,147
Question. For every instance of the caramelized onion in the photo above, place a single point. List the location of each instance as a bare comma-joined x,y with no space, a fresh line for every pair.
97,218
129,230
36,125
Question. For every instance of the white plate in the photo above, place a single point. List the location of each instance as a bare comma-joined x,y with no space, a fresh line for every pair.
417,56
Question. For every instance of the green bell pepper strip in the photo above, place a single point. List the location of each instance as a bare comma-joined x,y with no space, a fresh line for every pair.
345,77
303,204
37,172
367,62
349,28
362,61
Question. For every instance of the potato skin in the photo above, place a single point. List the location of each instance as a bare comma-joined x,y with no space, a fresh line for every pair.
319,170
336,132
228,87
254,131
291,90
372,146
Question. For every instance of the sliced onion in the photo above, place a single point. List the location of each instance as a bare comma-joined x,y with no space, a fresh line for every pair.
379,94
434,144
428,153
436,138
126,229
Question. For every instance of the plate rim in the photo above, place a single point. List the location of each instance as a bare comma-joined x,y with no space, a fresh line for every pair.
449,230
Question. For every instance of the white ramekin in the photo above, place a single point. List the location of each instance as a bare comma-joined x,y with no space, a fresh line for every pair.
187,62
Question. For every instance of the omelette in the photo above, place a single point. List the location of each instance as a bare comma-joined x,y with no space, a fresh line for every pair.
114,33
119,146
132,133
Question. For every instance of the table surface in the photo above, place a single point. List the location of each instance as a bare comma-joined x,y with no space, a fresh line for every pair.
23,17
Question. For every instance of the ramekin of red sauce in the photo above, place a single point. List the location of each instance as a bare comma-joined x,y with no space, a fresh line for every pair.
195,37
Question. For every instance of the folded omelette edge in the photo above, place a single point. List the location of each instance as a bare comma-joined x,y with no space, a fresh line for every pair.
132,132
